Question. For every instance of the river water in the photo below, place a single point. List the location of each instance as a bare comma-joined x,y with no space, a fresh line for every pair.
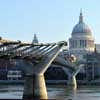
60,92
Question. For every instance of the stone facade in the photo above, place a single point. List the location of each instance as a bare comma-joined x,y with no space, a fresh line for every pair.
81,41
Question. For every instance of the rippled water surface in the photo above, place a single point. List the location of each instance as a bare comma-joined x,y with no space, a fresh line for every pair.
54,92
82,93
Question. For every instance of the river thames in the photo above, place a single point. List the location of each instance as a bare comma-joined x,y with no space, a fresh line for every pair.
60,92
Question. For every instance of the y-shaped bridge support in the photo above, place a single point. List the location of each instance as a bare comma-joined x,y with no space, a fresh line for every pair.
34,87
72,76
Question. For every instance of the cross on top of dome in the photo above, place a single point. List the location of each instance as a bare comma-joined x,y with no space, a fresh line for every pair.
81,17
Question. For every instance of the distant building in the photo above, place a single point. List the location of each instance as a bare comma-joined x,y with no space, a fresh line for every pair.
81,41
35,39
97,46
82,46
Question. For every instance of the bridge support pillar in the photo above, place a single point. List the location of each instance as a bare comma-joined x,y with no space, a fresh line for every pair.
72,82
35,88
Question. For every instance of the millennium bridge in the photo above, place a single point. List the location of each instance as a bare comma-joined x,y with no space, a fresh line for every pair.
34,59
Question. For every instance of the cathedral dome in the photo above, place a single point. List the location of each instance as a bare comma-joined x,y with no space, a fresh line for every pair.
81,27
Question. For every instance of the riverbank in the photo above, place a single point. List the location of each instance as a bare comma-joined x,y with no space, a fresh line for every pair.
11,81
54,82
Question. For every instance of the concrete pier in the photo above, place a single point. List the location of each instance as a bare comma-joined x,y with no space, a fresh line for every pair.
72,77
72,82
28,88
35,88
